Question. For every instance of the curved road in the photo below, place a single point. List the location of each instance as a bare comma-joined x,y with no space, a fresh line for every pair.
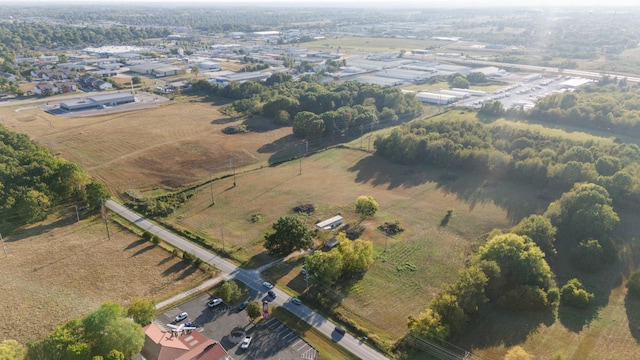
252,279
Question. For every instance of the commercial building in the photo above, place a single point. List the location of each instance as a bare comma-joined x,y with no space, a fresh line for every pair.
97,102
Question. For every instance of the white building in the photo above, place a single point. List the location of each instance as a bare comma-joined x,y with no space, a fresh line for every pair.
330,224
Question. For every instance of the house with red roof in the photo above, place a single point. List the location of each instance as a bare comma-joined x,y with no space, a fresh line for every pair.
160,344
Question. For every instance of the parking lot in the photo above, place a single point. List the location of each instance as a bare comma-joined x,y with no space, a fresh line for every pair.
520,94
270,339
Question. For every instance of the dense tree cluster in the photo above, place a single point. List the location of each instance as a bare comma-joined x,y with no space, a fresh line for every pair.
106,333
515,154
611,105
33,182
316,109
348,258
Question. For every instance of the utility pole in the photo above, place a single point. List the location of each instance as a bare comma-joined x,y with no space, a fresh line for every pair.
369,146
361,131
222,235
3,248
233,168
300,173
211,189
77,213
104,216
306,144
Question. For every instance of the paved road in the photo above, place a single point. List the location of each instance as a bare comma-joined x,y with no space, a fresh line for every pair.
252,279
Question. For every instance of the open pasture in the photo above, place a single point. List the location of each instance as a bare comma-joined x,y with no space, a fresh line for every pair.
61,269
332,180
372,44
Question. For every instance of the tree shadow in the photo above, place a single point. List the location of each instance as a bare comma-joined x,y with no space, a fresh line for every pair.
29,231
143,250
474,189
175,268
166,260
495,326
600,282
257,260
188,271
632,306
226,120
445,220
135,244
260,124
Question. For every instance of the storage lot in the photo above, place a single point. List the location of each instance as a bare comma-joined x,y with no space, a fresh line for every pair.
271,340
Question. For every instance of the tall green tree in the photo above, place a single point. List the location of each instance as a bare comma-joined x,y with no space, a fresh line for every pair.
539,229
289,234
254,310
108,329
325,266
142,311
366,206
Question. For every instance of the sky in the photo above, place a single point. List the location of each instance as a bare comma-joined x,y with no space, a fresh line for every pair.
354,3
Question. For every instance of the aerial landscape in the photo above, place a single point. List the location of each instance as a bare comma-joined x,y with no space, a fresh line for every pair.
357,180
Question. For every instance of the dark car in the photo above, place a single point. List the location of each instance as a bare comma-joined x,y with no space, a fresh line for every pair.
340,330
272,294
243,305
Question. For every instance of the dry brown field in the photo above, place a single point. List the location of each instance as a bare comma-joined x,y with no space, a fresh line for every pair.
61,269
176,144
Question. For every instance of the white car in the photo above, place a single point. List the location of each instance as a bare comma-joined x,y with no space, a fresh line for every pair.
214,302
268,285
181,316
245,343
296,301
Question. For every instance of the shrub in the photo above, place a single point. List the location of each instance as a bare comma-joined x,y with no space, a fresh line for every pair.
575,295
553,296
155,239
524,298
634,284
391,228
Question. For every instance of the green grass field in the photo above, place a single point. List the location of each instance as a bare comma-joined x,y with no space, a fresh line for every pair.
332,180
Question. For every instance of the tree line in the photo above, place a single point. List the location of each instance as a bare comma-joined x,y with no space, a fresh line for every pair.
609,105
33,182
316,110
522,155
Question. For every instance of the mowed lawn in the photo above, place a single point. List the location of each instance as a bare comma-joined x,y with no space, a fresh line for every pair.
60,269
332,180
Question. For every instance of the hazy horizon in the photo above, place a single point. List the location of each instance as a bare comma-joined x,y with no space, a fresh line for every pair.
348,3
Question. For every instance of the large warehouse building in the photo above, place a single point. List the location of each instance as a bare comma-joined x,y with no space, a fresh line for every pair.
98,101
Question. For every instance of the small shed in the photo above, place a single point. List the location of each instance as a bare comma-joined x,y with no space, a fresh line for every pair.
330,224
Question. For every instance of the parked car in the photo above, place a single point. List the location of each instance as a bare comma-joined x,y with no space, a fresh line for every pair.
245,343
243,305
272,294
214,302
296,301
268,285
181,316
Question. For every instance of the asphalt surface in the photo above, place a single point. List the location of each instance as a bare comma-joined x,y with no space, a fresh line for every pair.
252,279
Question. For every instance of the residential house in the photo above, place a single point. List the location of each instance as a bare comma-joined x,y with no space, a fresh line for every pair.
44,89
9,77
64,87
